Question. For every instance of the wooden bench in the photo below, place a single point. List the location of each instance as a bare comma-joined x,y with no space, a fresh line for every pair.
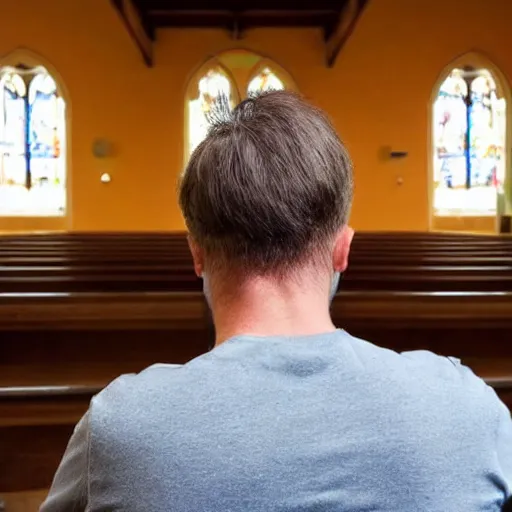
122,263
59,350
116,303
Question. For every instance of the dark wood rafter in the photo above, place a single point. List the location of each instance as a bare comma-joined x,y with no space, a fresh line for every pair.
247,18
138,27
144,17
339,35
235,27
337,18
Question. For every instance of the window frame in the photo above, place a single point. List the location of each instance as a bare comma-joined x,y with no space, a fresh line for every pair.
22,223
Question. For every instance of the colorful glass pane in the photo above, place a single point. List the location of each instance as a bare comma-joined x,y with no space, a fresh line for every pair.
12,132
32,166
265,80
213,87
467,175
487,143
47,164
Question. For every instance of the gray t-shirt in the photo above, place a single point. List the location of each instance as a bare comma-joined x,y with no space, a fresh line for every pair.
314,423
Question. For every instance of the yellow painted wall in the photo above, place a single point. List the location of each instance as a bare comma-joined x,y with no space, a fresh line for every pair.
377,94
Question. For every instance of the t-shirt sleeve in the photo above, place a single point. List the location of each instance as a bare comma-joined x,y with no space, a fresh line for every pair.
69,490
493,405
504,444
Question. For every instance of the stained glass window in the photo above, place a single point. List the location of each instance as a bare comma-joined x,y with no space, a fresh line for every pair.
469,144
32,144
225,82
213,86
265,80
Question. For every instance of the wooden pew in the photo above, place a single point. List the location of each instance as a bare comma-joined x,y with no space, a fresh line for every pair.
61,347
161,262
168,278
59,350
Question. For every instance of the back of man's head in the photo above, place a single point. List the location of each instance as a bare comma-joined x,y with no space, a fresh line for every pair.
269,187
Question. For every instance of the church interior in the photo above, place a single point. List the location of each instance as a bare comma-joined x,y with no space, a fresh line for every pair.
103,101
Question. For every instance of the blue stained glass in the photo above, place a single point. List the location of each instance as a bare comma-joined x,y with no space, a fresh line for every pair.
43,126
450,132
469,135
43,117
484,149
13,169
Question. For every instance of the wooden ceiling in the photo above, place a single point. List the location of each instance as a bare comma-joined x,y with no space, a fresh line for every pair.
335,18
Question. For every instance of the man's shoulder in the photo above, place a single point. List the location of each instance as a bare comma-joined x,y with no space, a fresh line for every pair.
149,379
431,389
446,368
131,394
421,366
425,371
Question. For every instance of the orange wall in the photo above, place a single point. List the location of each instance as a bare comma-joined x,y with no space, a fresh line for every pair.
377,94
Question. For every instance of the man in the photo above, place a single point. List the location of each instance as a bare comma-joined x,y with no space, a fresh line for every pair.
286,413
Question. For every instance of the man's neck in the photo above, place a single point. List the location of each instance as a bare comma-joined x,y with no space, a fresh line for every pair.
267,307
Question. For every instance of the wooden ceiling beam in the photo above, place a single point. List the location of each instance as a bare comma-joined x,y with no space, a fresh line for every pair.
343,29
136,27
247,18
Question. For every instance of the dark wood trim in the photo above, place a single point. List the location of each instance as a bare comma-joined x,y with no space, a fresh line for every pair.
93,311
145,20
49,409
120,7
247,18
416,309
186,310
29,455
41,392
505,224
346,25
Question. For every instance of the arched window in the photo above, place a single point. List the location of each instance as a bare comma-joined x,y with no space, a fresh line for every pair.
265,80
234,75
213,86
32,144
469,144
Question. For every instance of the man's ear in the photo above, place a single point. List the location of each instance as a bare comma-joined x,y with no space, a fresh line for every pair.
342,248
197,256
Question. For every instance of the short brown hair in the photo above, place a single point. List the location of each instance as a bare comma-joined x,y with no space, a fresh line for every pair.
270,184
